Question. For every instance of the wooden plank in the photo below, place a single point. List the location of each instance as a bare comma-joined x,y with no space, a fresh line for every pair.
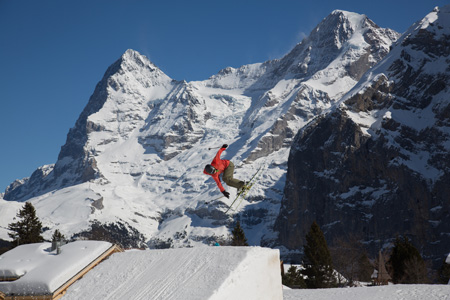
3,279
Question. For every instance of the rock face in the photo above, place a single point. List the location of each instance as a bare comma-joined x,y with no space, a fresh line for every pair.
133,162
28,186
379,165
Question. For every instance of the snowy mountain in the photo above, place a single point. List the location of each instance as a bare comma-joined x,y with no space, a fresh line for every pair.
378,165
131,168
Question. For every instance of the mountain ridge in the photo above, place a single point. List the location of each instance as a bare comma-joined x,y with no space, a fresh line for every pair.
133,162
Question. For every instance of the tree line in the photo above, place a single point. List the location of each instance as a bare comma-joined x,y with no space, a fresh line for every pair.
28,229
321,266
347,262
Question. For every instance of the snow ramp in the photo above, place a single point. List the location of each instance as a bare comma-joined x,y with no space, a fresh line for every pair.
185,273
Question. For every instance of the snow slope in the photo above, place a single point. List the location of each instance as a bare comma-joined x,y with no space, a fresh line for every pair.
388,292
190,273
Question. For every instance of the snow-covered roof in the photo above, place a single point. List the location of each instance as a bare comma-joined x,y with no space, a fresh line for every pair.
41,271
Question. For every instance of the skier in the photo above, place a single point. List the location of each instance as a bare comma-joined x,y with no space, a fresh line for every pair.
219,166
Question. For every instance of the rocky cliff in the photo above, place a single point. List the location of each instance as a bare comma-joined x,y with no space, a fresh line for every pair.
378,166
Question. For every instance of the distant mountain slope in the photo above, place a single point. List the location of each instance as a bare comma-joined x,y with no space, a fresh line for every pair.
131,168
379,165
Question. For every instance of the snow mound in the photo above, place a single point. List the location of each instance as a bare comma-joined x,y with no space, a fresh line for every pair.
184,273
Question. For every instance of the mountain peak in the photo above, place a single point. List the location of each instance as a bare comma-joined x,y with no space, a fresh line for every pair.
133,60
439,17
133,56
347,14
342,16
118,105
341,37
131,53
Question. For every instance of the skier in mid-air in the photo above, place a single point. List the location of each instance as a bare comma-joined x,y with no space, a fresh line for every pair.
219,166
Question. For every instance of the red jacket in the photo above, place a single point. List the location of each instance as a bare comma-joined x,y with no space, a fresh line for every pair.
220,165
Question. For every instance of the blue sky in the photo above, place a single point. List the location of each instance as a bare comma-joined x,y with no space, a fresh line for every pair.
53,53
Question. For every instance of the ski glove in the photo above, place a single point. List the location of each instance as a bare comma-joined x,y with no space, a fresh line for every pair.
225,146
226,194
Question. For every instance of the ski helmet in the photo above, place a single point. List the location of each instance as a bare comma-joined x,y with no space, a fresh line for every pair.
210,169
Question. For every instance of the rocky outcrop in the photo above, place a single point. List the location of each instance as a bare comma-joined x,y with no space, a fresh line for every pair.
29,186
179,132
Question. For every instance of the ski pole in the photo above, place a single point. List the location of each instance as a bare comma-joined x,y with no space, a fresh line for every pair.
214,148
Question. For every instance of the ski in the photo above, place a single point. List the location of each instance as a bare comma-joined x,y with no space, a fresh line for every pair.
245,189
243,196
258,174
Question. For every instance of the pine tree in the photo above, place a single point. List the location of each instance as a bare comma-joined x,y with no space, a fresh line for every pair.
293,278
238,236
317,260
407,263
444,272
350,259
4,246
58,236
28,229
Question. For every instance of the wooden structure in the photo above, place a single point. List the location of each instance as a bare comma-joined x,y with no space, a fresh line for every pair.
59,292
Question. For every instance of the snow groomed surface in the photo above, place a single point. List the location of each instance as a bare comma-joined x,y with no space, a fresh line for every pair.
386,292
185,273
